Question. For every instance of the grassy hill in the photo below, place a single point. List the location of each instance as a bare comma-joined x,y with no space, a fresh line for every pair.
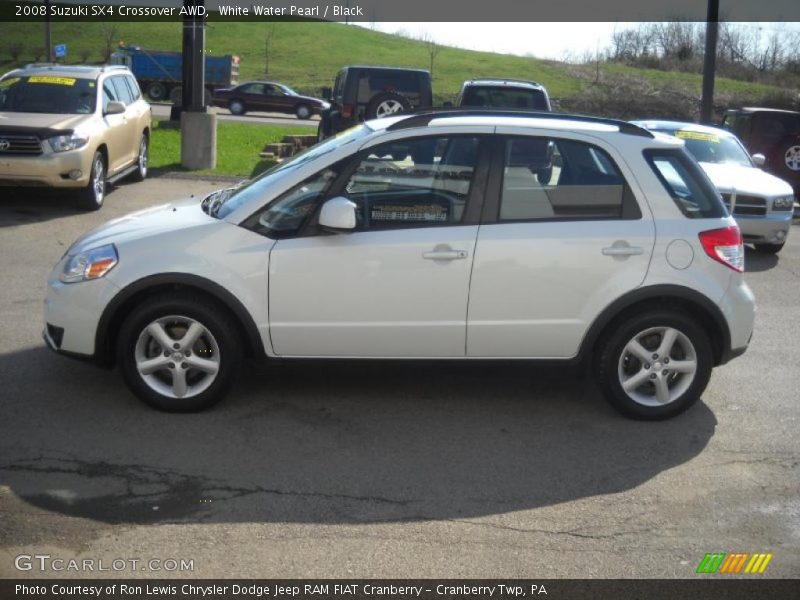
307,56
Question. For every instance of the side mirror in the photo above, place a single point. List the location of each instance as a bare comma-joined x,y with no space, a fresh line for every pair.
338,215
759,159
115,108
327,93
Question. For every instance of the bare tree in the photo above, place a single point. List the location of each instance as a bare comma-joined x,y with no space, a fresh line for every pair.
431,47
85,53
269,37
110,34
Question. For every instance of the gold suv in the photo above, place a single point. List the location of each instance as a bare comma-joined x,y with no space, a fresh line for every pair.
78,127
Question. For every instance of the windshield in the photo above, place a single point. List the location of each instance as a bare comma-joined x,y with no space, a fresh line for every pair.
48,94
713,147
222,203
505,97
288,90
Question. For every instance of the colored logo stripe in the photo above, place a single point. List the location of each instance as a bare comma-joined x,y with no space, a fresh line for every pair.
721,562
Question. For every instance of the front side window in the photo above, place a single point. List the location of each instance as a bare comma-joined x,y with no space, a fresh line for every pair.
686,183
414,183
562,179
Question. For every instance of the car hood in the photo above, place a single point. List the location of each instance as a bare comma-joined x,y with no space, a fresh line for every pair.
745,180
144,223
40,121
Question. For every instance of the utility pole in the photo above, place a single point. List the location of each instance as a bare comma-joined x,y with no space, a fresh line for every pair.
48,32
710,63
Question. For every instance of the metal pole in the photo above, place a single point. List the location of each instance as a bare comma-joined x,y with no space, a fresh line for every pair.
193,85
710,63
48,33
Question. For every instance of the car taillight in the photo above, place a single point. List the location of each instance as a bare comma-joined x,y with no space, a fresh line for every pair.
347,111
725,246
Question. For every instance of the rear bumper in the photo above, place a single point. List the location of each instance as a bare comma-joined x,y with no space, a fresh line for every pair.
738,306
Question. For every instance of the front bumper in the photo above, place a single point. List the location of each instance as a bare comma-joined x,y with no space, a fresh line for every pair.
47,170
770,229
72,312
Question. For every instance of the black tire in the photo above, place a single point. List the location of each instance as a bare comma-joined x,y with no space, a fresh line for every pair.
303,111
93,195
322,132
143,159
386,104
173,308
156,91
611,360
769,248
176,95
237,107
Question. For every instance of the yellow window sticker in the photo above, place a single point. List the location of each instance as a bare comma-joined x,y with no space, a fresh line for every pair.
51,79
8,82
698,135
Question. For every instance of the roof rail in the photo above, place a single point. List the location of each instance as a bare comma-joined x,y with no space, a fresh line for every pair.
511,79
422,119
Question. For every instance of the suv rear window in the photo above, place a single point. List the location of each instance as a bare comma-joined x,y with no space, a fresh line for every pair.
686,183
505,97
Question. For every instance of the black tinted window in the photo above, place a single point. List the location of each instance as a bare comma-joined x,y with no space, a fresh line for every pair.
505,97
562,179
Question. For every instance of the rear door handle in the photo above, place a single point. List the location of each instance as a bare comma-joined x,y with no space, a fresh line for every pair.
445,254
622,249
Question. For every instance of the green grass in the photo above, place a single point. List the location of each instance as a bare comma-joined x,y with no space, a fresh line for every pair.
238,147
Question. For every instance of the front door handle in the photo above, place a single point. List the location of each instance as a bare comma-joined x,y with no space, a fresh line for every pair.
620,248
444,253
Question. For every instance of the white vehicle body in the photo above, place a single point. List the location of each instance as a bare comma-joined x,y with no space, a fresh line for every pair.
483,289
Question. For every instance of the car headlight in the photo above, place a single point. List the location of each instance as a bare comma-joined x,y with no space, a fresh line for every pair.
91,264
73,141
783,203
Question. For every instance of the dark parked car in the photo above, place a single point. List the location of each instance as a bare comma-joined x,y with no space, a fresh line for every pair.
361,93
773,133
514,94
268,97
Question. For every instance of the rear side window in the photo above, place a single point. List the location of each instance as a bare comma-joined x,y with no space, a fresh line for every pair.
686,183
553,179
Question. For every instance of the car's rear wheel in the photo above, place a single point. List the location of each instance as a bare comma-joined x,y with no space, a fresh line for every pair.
92,196
142,160
179,352
654,365
303,111
769,248
236,107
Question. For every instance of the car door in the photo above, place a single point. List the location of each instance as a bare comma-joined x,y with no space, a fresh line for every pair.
397,286
275,99
554,248
119,133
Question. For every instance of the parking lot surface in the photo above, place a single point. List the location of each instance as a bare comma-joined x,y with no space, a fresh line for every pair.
386,470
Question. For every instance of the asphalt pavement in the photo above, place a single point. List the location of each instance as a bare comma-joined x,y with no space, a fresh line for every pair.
162,111
385,470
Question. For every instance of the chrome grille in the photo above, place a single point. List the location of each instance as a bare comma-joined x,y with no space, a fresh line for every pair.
15,144
747,205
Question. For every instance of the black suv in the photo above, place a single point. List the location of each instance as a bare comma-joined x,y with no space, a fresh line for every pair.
773,133
516,95
360,93
504,93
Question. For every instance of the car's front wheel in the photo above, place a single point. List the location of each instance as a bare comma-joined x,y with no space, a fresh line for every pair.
654,365
179,352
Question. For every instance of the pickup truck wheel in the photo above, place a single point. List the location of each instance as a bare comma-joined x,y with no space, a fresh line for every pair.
91,197
142,160
236,107
769,248
302,111
178,352
156,91
654,365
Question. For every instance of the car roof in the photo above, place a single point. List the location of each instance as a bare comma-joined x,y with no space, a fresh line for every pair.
380,68
498,81
752,109
659,125
78,71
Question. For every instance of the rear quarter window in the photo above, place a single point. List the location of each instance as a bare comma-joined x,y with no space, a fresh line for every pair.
686,183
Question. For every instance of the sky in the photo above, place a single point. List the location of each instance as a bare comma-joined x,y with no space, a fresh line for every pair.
557,41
